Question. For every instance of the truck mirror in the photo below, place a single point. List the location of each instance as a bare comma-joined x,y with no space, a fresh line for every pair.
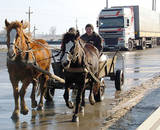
127,22
97,23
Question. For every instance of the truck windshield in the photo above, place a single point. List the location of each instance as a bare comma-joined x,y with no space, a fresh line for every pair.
111,22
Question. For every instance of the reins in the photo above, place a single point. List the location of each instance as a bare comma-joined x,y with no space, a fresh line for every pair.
87,69
27,42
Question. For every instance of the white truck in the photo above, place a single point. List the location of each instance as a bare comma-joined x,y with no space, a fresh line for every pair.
128,27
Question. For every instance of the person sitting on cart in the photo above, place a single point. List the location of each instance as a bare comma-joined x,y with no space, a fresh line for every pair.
92,37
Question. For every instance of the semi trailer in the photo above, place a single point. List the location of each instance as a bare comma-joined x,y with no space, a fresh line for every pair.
129,27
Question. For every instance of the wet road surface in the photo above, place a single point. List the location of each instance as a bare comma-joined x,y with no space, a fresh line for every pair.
139,67
139,113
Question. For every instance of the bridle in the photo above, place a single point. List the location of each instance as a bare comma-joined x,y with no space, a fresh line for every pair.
71,54
19,41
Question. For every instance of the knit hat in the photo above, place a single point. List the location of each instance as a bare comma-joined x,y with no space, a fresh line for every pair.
89,25
72,30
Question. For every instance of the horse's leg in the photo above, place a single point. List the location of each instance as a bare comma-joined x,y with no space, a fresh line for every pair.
83,102
43,88
33,100
15,114
91,95
24,109
75,117
69,104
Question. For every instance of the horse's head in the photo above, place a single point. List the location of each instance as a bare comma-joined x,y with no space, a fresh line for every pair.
70,48
15,37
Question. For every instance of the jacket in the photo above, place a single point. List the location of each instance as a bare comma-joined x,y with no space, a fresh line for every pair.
93,39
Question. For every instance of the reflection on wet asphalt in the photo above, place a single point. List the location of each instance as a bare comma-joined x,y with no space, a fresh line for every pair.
139,113
138,67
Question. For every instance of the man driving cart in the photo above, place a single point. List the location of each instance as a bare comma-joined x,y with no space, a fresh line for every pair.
92,37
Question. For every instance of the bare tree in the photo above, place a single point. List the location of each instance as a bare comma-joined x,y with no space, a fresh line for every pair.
52,31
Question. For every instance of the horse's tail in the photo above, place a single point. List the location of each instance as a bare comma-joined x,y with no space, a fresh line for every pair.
36,86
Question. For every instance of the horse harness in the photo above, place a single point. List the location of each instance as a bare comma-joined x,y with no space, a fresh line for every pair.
86,69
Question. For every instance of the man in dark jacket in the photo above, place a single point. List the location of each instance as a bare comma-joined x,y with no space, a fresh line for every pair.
91,37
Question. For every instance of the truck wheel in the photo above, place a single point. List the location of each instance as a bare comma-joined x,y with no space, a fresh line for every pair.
100,95
130,46
151,45
119,79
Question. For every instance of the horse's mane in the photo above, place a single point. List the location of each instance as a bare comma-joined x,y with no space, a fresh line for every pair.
28,36
14,24
89,46
67,36
86,46
17,24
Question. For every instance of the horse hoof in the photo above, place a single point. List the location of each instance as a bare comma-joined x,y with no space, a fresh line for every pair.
15,116
92,102
34,104
24,111
75,118
81,110
70,105
39,108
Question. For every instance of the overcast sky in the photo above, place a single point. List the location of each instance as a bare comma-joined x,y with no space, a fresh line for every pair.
61,14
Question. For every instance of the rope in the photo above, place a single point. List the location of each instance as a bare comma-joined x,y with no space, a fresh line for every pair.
93,76
88,69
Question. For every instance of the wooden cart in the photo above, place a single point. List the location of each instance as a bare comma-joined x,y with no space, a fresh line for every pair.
106,69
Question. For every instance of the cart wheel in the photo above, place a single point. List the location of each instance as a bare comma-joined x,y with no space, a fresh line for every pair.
100,95
119,79
49,94
50,91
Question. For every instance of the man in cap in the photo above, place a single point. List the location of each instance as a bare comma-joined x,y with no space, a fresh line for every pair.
91,37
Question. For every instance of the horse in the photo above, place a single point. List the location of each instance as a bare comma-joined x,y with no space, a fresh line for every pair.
76,54
22,54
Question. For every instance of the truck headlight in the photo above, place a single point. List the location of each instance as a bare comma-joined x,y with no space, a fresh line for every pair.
120,40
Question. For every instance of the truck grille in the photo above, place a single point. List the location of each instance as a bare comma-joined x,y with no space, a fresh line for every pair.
111,41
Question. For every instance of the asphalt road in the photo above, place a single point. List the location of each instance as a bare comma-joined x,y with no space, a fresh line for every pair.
139,66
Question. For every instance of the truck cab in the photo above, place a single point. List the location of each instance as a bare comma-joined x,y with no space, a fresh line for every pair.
116,26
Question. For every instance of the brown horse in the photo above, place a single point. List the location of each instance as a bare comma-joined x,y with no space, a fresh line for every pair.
78,55
22,53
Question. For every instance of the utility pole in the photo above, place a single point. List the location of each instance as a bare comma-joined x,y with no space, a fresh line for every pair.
34,31
106,3
29,19
76,24
154,5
